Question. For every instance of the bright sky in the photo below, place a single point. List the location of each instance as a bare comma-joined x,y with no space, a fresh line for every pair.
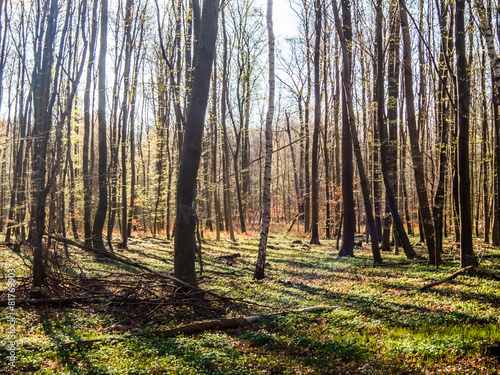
284,19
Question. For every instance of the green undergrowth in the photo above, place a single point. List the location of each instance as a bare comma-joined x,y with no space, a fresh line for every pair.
378,323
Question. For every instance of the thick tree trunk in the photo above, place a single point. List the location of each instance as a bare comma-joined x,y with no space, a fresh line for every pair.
42,80
418,162
185,228
443,118
347,248
467,256
266,193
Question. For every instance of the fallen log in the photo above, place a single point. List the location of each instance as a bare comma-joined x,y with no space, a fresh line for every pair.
209,325
461,271
227,323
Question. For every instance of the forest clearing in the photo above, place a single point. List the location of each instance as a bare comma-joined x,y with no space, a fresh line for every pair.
379,321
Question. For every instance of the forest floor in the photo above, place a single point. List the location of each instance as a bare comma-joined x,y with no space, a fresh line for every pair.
378,323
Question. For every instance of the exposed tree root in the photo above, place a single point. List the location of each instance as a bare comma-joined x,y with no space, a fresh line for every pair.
461,271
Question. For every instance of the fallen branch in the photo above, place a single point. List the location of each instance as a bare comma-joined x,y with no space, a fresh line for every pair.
80,301
461,271
125,260
488,273
209,325
227,323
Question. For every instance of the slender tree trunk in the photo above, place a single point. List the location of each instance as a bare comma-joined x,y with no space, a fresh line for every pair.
102,207
393,70
347,248
294,166
317,114
266,193
124,119
326,151
87,188
215,182
487,33
133,177
484,152
227,190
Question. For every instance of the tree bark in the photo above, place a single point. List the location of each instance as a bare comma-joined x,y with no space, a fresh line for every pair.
467,256
102,207
315,140
266,193
228,209
185,228
347,248
357,149
87,189
418,162
124,118
443,119
42,80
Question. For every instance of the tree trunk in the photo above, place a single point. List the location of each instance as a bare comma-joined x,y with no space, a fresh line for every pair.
357,149
384,147
266,193
487,33
443,118
87,188
484,151
228,209
42,80
294,166
102,207
124,119
185,228
315,141
467,256
393,70
418,163
347,248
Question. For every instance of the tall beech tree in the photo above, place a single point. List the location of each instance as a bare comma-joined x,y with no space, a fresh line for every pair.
185,228
102,207
355,142
42,82
417,157
87,191
266,192
443,119
385,141
467,256
349,220
317,113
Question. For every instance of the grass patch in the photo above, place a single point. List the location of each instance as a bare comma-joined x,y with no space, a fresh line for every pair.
380,324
